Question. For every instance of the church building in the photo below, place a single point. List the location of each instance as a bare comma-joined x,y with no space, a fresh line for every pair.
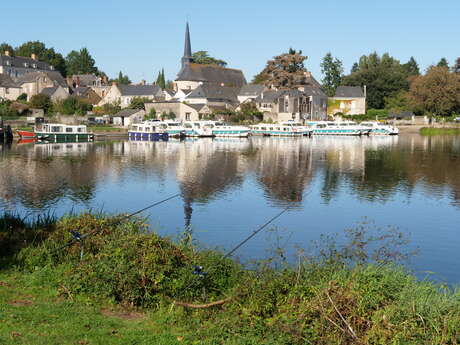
193,74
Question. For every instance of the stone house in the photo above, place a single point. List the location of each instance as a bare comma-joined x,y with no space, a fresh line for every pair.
86,80
127,117
124,94
182,111
348,100
56,93
16,66
34,82
87,93
214,95
250,92
8,88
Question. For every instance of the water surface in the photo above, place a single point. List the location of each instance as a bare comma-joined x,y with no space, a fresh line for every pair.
229,187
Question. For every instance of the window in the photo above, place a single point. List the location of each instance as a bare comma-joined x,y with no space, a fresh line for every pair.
187,116
26,64
34,65
8,62
69,130
80,129
7,91
56,129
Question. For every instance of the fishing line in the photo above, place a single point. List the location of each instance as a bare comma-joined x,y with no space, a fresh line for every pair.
78,238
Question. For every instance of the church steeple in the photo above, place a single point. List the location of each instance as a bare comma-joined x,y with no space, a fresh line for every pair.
187,58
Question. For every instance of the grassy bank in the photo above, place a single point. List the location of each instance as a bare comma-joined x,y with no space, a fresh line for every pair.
129,285
440,131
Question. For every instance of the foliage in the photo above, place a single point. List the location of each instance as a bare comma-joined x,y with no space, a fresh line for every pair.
152,115
122,79
440,131
398,102
381,113
168,116
73,106
346,291
437,92
411,67
285,70
43,53
41,101
161,82
107,109
384,76
260,78
443,63
22,98
6,47
332,69
138,103
456,67
80,62
5,109
202,57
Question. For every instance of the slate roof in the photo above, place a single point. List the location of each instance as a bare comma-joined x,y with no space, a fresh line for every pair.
80,91
139,90
251,90
349,91
127,112
197,107
268,96
314,91
215,92
31,77
20,61
211,74
49,91
85,79
6,81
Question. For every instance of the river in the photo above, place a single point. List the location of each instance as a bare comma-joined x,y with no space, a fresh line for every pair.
229,187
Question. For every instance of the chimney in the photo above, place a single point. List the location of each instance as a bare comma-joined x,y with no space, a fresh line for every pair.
33,56
7,53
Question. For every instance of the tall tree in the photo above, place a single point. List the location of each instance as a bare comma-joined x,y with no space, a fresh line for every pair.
285,70
202,57
456,67
161,81
6,47
80,62
44,54
354,68
443,63
332,70
384,76
437,92
411,67
122,79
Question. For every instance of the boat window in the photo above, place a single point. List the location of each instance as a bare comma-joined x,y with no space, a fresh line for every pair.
69,130
56,129
263,128
188,125
80,129
134,128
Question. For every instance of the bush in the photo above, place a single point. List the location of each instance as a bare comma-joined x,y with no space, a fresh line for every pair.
107,109
73,106
42,102
22,98
152,115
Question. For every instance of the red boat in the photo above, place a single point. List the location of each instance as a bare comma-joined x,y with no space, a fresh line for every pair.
26,134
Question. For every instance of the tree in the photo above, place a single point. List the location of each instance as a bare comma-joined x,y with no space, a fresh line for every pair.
437,92
73,106
122,79
44,54
456,67
332,70
22,98
354,68
202,57
398,102
41,101
384,76
411,67
152,115
285,70
443,63
161,82
6,47
80,62
138,103
259,78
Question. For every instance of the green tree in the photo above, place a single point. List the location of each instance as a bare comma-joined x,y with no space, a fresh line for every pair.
6,47
152,115
456,67
138,103
398,102
22,98
384,76
73,106
285,70
437,92
161,82
80,62
443,63
411,67
354,68
41,101
44,54
122,79
332,69
202,57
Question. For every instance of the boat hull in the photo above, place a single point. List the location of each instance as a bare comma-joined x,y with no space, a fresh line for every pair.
351,132
26,134
64,137
142,136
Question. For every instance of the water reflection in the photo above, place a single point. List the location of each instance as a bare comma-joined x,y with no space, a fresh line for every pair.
38,176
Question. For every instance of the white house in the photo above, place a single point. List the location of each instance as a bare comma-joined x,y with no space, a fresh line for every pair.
124,94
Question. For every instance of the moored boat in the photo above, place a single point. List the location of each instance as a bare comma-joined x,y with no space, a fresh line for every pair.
378,128
147,131
306,131
197,129
58,132
284,130
338,128
173,128
26,134
221,129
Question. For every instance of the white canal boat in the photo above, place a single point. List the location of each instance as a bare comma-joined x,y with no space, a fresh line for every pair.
173,128
221,129
338,128
380,128
277,130
197,129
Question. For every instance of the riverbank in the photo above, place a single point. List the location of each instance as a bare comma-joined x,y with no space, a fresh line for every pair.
127,284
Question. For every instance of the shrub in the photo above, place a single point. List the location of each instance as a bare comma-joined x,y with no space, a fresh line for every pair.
42,102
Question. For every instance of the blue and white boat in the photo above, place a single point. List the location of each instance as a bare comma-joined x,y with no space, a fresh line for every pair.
378,128
146,131
173,128
221,129
277,130
338,128
197,129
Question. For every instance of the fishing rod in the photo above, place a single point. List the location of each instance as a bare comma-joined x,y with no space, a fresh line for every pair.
77,237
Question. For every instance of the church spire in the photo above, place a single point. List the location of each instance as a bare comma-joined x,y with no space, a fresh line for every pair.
187,58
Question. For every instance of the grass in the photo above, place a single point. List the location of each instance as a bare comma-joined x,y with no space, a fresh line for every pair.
125,289
440,131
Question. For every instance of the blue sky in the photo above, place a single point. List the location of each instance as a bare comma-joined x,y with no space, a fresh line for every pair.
140,37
